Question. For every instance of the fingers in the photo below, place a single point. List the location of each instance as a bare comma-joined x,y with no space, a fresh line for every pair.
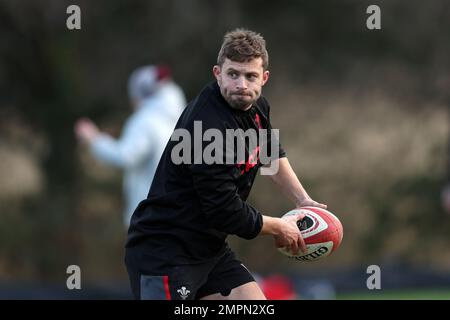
78,129
298,245
312,203
321,205
317,204
81,126
291,237
301,244
294,247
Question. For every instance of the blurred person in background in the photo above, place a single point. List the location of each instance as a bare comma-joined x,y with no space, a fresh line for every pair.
157,102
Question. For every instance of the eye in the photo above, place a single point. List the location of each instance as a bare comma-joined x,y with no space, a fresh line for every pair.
252,77
233,74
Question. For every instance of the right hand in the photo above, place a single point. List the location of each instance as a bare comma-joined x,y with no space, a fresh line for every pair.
86,130
289,235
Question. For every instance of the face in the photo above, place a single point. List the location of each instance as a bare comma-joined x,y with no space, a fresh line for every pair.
241,82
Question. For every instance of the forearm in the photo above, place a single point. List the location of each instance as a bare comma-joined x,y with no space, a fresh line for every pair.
125,152
106,149
271,226
288,182
223,208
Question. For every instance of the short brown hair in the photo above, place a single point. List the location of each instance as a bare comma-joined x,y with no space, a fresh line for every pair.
242,45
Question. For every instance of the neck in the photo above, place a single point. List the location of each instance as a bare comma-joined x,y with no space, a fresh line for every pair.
243,108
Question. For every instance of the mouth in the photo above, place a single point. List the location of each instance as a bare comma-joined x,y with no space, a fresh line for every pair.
241,94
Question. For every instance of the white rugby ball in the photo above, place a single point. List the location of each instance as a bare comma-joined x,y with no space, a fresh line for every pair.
321,230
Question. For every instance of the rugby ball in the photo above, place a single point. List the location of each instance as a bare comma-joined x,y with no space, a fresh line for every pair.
321,230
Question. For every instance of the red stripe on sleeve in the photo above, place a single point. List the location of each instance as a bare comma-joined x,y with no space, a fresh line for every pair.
166,287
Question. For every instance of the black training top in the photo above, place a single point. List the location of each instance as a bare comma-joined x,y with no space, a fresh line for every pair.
191,208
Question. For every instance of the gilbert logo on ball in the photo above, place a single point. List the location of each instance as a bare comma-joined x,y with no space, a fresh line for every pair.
321,230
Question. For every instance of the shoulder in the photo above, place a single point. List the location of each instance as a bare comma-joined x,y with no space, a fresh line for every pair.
263,105
172,92
208,108
146,117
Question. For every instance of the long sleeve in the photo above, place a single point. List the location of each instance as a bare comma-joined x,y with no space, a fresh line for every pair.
221,203
276,139
127,151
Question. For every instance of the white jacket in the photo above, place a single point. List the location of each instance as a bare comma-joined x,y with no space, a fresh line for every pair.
139,148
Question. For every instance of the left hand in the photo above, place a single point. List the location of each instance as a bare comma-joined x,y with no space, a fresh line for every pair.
308,202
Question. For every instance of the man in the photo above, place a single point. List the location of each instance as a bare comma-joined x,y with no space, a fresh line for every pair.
176,245
157,102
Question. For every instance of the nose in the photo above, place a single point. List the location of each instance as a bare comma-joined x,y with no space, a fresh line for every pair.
241,83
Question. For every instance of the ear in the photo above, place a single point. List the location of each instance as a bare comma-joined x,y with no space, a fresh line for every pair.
265,77
216,72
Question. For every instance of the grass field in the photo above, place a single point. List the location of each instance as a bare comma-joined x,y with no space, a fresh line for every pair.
413,294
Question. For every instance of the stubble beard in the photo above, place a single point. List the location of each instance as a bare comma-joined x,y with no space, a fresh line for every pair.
237,102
